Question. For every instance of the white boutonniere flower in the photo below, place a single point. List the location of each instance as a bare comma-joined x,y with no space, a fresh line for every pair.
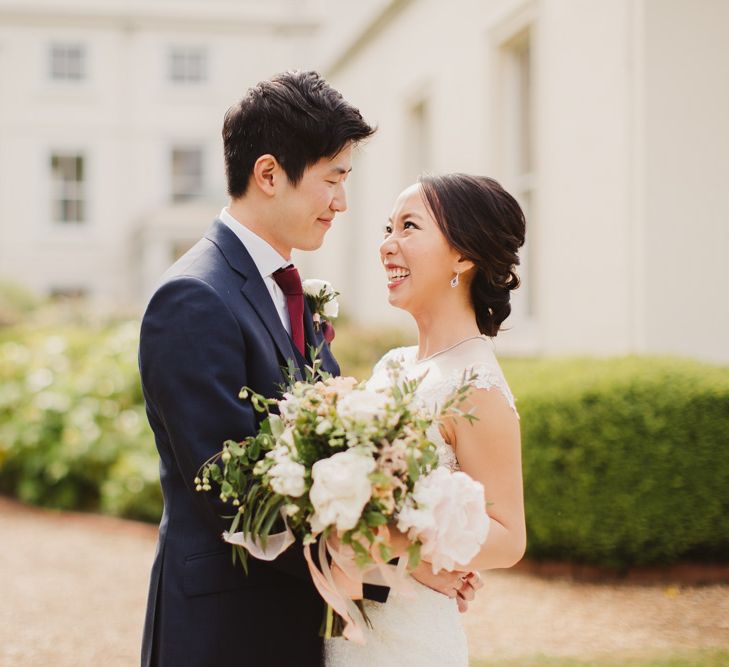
322,298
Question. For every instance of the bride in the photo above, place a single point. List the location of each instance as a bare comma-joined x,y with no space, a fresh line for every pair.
450,250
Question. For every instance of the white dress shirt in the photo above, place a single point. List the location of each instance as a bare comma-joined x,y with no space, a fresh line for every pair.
266,259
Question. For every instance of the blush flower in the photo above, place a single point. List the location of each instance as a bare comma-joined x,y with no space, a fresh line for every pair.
340,385
448,516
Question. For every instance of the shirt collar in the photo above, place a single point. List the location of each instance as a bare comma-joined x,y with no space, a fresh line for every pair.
266,259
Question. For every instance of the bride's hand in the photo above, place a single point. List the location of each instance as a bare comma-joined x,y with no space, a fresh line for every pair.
458,584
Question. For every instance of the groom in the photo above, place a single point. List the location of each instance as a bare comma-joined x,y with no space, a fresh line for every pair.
231,313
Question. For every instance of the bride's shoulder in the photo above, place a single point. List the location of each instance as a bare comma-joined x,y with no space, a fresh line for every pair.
476,363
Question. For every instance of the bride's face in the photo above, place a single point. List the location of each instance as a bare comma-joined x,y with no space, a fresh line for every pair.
416,256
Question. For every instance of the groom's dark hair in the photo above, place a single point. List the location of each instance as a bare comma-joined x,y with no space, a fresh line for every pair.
297,117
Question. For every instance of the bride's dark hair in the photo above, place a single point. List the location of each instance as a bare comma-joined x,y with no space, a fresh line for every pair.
487,226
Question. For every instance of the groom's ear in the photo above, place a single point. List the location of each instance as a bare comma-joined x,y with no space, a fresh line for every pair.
266,172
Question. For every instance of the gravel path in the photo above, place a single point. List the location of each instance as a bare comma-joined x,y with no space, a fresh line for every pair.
73,589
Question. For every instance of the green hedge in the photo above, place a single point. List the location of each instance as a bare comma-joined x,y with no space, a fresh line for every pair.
73,432
626,461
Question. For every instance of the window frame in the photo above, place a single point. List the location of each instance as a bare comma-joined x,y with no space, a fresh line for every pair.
61,75
64,192
178,195
182,56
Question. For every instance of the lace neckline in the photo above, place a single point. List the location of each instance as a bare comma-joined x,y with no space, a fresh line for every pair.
447,349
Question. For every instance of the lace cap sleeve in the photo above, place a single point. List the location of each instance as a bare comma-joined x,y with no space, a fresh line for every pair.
486,376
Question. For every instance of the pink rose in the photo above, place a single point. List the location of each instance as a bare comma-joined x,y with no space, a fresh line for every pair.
448,515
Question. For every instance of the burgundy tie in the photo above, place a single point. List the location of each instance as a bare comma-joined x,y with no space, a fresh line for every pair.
289,281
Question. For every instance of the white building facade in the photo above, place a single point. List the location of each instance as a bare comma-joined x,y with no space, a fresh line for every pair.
111,159
607,120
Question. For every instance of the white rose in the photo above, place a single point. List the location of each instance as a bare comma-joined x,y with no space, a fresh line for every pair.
362,405
331,308
287,476
323,288
340,490
314,287
448,517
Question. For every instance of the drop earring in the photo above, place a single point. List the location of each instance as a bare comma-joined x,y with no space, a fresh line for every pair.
454,280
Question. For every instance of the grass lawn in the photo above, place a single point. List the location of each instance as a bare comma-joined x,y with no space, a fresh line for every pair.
705,658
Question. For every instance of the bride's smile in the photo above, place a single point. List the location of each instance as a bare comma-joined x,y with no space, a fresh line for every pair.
395,275
417,258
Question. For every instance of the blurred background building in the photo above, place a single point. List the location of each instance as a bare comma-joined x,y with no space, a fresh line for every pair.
607,120
110,114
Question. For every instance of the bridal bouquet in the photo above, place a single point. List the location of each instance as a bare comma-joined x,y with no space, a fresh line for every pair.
337,465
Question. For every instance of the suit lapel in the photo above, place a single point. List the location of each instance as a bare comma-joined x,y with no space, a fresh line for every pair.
254,289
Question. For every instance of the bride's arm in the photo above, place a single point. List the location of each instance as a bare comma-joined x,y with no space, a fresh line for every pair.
489,450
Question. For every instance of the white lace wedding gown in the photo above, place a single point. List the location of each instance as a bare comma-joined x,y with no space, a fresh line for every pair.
424,631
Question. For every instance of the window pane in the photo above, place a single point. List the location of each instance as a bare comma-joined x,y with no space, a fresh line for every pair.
188,65
67,188
187,173
67,62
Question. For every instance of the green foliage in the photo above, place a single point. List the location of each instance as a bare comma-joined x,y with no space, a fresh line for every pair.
626,461
73,432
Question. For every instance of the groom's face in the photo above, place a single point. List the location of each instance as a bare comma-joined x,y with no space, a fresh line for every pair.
306,211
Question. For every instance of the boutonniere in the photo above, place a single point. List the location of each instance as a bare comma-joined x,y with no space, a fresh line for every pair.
324,306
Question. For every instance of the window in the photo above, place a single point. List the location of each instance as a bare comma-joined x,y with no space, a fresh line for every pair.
188,65
67,188
187,174
67,62
517,120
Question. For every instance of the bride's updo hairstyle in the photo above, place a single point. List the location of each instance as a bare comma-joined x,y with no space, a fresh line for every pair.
486,225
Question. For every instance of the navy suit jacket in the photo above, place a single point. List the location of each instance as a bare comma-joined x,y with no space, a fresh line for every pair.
210,329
